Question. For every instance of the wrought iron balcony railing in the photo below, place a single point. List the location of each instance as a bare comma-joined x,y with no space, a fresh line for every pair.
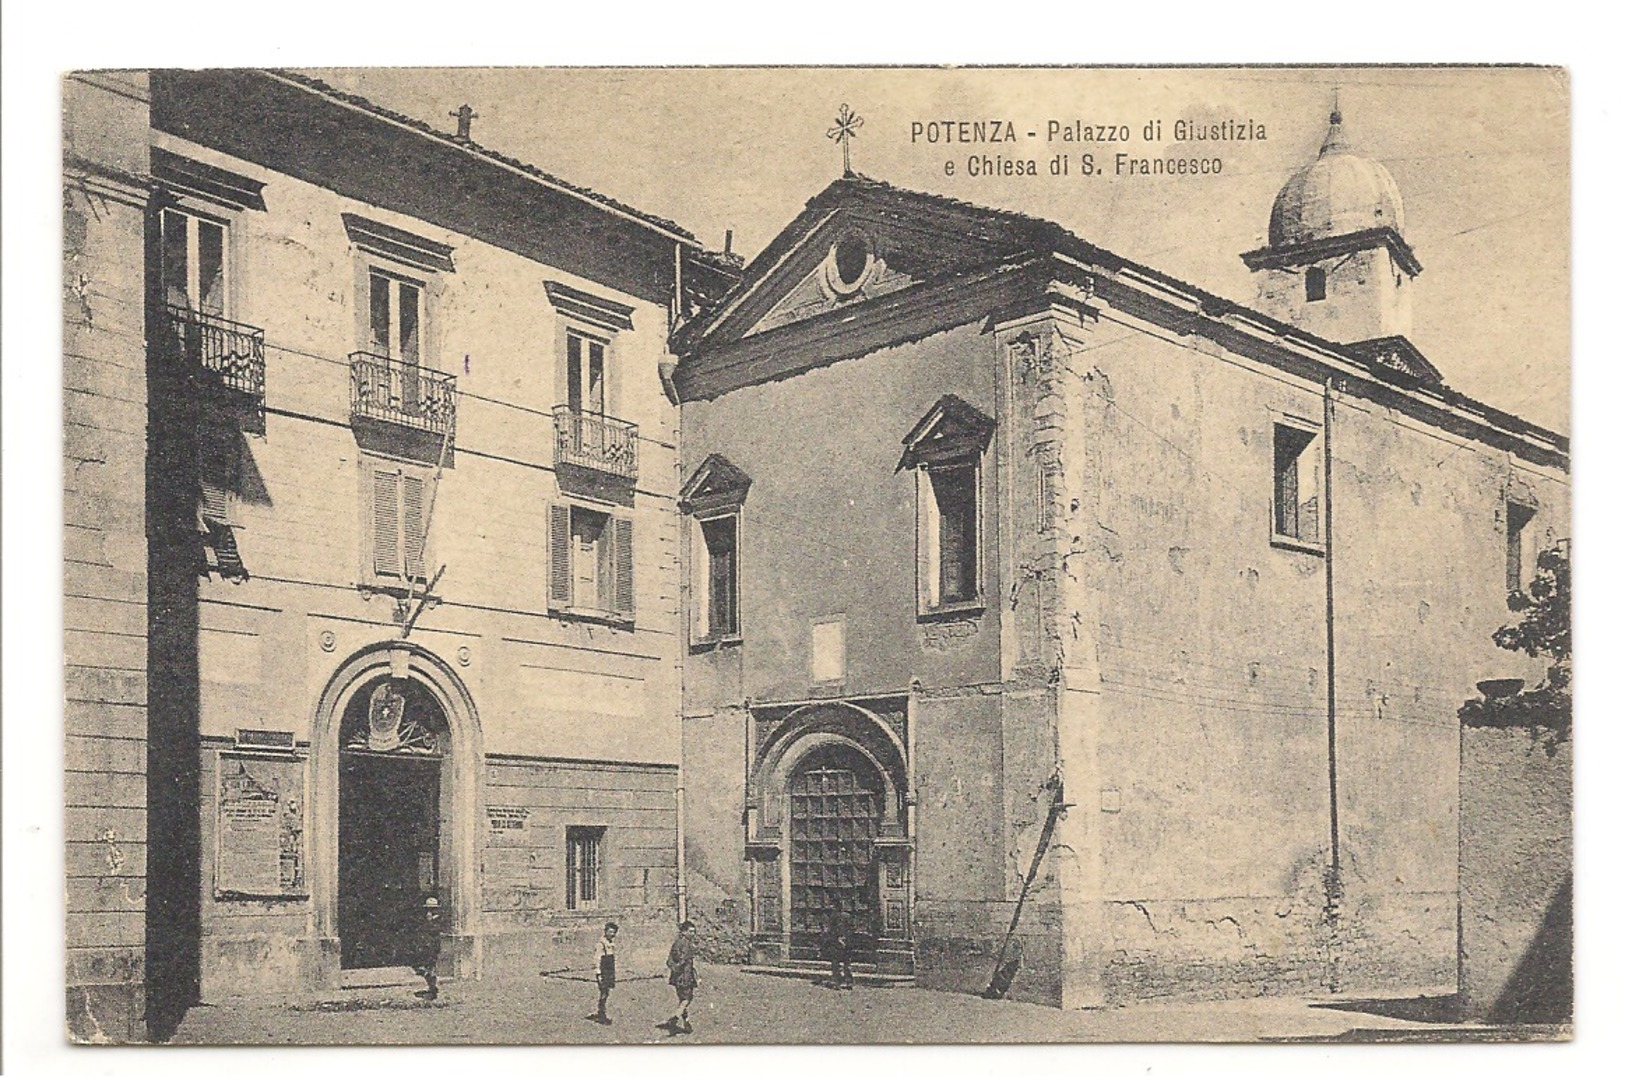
594,441
405,394
218,353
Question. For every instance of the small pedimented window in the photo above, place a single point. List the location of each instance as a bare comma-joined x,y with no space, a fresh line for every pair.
713,496
945,451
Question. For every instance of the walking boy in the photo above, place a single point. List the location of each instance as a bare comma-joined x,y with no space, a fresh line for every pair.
604,960
681,963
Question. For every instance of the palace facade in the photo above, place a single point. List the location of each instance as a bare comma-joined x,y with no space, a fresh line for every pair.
372,548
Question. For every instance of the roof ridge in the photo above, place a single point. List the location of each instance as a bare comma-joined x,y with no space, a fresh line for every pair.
355,100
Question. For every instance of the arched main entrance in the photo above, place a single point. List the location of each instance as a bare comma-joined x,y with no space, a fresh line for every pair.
393,744
836,806
828,832
395,776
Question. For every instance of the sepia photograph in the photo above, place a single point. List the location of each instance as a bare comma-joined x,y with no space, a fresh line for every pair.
816,555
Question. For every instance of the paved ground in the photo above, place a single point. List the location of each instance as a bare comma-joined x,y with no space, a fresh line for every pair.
734,1006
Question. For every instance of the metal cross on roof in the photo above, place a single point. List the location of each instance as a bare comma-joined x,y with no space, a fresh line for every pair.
844,131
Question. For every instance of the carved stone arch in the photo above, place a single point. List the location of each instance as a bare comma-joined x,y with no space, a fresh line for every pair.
463,779
818,725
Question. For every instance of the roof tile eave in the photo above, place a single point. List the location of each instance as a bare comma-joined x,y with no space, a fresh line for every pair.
316,85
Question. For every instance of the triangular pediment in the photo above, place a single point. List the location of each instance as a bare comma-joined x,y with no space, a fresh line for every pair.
717,482
823,289
856,242
951,430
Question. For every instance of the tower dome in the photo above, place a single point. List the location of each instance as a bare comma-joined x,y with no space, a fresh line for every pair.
1336,194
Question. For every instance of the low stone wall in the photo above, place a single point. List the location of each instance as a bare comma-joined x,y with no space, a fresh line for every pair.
1515,962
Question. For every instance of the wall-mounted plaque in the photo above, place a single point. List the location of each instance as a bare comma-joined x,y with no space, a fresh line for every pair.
259,828
508,824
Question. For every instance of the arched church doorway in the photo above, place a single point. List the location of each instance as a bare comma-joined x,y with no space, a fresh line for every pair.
394,777
837,802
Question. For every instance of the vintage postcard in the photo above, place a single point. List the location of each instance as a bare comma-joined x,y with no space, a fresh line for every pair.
817,555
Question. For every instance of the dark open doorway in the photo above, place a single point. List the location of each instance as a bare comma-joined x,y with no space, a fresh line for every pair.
391,772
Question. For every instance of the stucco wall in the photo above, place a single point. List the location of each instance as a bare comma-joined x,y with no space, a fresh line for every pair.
1211,645
829,524
105,555
546,693
1517,877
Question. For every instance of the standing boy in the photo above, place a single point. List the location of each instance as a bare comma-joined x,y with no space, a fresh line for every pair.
681,963
426,948
604,961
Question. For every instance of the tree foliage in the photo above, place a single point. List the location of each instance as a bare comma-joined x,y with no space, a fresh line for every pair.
1542,631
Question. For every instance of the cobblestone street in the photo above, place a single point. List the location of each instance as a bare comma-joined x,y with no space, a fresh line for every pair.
735,1006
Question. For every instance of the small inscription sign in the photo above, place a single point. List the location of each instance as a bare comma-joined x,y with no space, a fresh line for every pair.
279,740
507,823
259,828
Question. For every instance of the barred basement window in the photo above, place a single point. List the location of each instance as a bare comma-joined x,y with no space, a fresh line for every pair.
583,866
1297,500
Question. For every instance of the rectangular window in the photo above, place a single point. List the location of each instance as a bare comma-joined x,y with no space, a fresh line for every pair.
590,562
1314,284
583,866
193,262
584,359
397,508
1297,498
395,317
1520,546
949,540
719,603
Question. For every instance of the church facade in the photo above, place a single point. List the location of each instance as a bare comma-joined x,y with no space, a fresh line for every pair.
1081,635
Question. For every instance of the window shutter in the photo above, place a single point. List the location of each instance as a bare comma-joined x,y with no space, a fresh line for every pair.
623,567
386,524
558,564
217,450
214,503
412,523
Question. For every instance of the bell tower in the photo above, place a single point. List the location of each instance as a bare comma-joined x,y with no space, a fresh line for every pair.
1337,264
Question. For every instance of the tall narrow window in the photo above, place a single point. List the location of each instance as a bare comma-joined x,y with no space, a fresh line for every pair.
395,317
583,866
397,504
584,357
588,554
1520,546
1297,501
194,262
1314,284
721,581
953,501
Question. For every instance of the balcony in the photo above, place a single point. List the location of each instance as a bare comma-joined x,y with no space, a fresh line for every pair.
218,353
597,442
386,390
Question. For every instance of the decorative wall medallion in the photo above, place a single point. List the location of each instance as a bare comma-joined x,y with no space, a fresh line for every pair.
328,640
